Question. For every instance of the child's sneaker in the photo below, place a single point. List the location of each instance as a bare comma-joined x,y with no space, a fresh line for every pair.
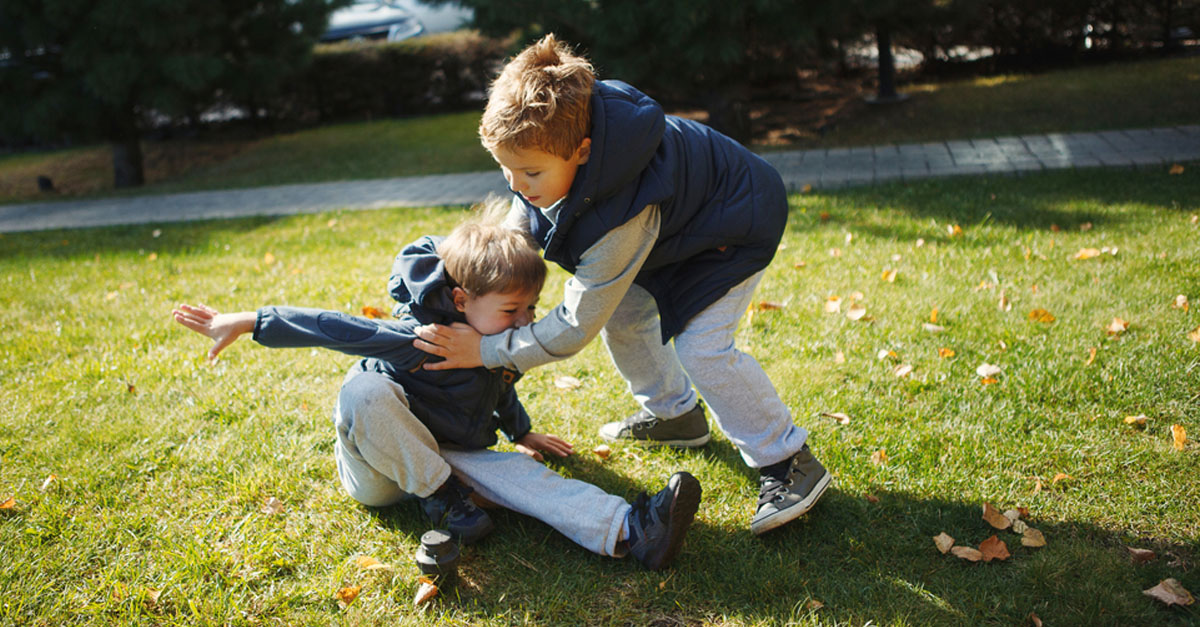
788,489
658,524
687,431
450,508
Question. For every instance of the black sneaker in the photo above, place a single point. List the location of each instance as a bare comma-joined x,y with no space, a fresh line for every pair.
450,508
657,525
687,431
788,489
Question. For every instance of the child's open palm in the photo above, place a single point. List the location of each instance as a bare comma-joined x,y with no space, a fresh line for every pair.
223,329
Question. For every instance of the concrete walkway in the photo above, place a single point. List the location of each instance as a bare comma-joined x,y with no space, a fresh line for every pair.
822,169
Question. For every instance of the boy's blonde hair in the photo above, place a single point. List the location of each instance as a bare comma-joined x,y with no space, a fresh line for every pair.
483,256
542,99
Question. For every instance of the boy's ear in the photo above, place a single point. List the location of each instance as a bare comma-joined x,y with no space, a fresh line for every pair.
460,297
584,151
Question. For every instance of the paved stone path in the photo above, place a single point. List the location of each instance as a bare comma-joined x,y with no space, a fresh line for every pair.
822,169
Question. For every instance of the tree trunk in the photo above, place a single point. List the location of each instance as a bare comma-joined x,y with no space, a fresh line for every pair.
127,162
729,109
887,64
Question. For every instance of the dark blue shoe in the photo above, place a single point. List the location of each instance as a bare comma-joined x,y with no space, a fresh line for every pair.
658,524
450,508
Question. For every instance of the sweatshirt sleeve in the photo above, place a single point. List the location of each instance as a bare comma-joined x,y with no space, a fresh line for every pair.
293,327
604,274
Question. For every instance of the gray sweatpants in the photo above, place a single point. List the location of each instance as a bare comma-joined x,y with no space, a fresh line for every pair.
385,455
743,401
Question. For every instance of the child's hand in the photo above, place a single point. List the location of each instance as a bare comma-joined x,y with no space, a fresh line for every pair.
534,442
458,343
223,329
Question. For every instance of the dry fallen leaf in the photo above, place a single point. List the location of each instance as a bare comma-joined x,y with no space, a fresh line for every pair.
602,451
879,457
954,230
839,357
1141,556
1019,526
346,595
889,276
1012,515
9,503
1171,592
886,354
767,305
567,382
967,553
426,590
1061,476
50,480
993,517
1179,436
268,259
1087,253
372,312
856,312
366,561
1194,335
920,242
1180,302
272,506
933,316
945,353
1035,620
1032,538
871,498
1004,305
833,304
943,541
1091,356
1139,420
933,328
987,370
842,419
903,370
800,264
1175,169
994,549
1041,315
988,380
1117,326
813,605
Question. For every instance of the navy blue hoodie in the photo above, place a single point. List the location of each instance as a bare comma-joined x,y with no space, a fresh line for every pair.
463,406
723,208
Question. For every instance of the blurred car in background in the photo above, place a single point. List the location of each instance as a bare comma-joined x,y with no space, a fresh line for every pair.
392,20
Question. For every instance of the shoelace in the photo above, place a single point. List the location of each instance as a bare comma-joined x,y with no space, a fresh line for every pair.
773,481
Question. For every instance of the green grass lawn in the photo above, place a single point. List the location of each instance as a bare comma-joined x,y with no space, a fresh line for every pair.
1119,95
140,474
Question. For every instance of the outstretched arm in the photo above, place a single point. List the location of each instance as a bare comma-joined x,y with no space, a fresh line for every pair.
223,329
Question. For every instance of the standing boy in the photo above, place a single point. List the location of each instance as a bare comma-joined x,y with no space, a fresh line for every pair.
667,227
407,432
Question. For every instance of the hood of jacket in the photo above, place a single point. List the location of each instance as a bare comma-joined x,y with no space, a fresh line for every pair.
420,286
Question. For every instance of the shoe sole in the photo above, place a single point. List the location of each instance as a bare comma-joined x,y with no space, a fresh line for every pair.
683,511
692,443
780,518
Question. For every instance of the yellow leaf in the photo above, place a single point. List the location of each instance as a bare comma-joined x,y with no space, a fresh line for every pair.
967,553
346,595
1091,356
800,264
839,357
806,189
1194,335
1179,436
945,353
1062,476
1136,420
426,590
1033,538
994,549
268,259
1041,315
1087,253
988,380
1175,169
954,230
879,457
889,276
1181,302
856,312
933,316
835,252
833,304
1171,592
1004,305
842,419
364,561
49,481
372,312
602,451
8,503
1117,326
769,306
943,542
993,517
151,256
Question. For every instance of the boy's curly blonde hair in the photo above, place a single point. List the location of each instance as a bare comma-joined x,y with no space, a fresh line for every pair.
542,99
483,256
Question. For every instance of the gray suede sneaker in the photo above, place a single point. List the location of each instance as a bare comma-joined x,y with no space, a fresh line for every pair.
658,524
788,489
687,431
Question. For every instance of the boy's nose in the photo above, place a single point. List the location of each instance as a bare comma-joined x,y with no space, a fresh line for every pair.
524,318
